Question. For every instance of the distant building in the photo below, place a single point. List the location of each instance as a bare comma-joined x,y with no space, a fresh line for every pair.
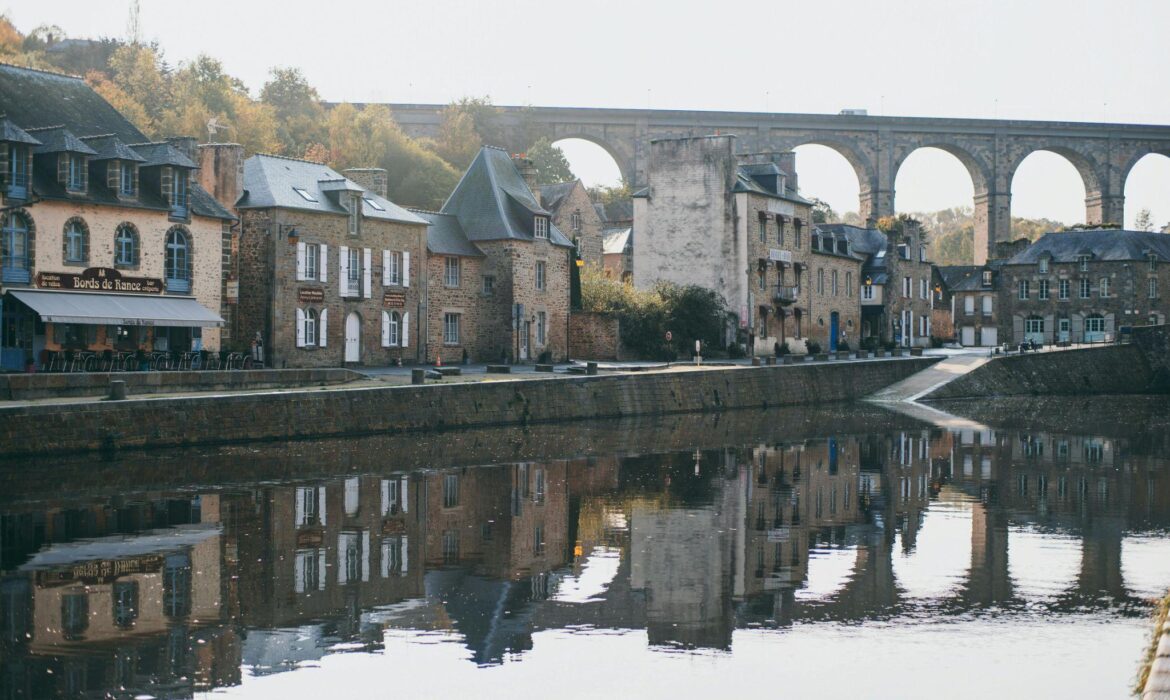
1083,286
737,225
972,298
108,244
897,293
523,278
574,214
617,253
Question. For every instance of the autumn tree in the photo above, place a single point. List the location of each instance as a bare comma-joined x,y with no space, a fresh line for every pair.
822,213
550,163
300,117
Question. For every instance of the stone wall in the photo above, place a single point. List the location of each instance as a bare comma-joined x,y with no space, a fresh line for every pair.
594,336
180,421
23,387
469,301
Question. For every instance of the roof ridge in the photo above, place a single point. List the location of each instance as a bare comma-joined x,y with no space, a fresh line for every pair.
427,211
41,70
284,157
46,128
96,136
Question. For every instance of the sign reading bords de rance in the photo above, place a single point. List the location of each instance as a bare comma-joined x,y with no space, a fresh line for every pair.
99,279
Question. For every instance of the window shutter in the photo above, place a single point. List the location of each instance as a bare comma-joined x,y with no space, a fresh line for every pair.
323,268
385,268
300,328
343,270
1110,324
367,263
385,329
1017,328
323,328
406,329
300,261
406,268
402,503
321,509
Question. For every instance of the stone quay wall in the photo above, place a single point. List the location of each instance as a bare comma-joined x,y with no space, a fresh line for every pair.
594,336
183,421
24,387
1139,367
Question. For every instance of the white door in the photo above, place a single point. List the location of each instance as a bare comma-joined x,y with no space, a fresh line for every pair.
990,336
524,340
968,336
353,338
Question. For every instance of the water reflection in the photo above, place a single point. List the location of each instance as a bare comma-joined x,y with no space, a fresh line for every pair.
769,526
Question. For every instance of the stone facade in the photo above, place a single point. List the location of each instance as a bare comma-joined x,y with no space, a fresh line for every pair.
594,336
909,295
574,214
513,263
271,295
468,300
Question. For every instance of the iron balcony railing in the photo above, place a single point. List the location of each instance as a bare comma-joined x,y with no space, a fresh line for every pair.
785,295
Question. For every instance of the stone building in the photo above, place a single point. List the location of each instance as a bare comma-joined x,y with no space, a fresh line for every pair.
457,292
617,253
896,287
737,225
970,294
108,245
523,277
575,215
331,272
1083,286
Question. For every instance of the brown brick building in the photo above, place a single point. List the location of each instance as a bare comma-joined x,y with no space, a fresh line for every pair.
523,276
331,272
576,216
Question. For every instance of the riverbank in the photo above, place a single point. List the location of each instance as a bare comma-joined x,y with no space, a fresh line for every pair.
340,412
1154,678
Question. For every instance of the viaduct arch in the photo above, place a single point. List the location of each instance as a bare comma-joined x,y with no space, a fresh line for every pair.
876,147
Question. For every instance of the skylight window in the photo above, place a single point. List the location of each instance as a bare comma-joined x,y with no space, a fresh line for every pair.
374,204
305,194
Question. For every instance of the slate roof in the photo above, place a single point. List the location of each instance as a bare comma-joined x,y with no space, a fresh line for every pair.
618,210
747,179
616,241
34,99
445,236
492,201
56,139
1102,244
12,133
552,196
867,243
110,147
269,181
162,153
954,275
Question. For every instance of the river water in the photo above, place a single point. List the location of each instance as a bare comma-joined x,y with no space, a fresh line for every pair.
843,552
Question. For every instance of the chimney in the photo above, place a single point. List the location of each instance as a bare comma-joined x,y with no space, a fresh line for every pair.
187,145
528,172
372,179
787,163
221,171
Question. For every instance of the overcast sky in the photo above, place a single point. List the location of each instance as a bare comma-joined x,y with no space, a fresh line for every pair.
1022,59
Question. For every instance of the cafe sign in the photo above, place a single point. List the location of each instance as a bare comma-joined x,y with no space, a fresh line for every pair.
394,299
99,279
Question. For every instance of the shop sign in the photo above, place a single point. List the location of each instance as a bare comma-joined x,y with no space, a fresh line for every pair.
100,571
394,299
99,279
777,255
311,295
231,290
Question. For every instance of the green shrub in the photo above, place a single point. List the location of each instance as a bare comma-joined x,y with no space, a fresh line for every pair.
843,346
814,348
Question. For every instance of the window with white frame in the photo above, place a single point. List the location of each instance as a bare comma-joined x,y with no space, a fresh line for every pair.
392,329
312,259
1083,261
540,227
1104,287
988,300
922,286
450,328
907,287
541,327
763,219
540,275
1086,288
1025,289
489,285
1094,324
393,271
835,286
310,327
1153,287
575,221
1153,262
867,292
987,278
1064,289
1043,290
353,209
969,305
1044,266
353,281
849,284
450,490
451,272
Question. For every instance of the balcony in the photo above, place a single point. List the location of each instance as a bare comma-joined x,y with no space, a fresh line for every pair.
785,295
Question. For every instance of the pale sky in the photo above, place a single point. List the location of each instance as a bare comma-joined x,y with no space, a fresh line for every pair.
1023,59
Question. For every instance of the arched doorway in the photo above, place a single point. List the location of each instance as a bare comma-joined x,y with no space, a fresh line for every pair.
353,338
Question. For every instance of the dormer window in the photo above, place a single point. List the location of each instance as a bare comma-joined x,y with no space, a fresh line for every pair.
540,227
18,171
354,210
128,179
75,173
1044,266
987,278
1084,262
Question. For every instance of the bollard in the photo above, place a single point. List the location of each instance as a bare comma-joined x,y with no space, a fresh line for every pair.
755,362
591,368
770,360
117,390
418,376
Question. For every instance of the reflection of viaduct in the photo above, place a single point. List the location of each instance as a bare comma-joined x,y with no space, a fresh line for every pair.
876,147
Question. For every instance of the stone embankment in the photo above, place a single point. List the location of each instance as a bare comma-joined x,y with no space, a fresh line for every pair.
1154,683
27,387
1138,367
178,421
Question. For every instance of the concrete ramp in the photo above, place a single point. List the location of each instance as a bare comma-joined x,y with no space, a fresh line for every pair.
930,379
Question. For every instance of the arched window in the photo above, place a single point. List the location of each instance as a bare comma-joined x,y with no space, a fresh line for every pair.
178,260
76,242
16,242
393,329
310,327
126,246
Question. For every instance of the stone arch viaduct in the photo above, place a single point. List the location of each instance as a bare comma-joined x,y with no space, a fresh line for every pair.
876,147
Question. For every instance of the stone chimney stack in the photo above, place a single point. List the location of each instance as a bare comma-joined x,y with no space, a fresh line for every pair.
787,163
528,172
221,171
187,145
373,179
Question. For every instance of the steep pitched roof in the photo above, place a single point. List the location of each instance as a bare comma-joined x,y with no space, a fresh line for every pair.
34,98
57,139
552,196
1101,244
162,153
12,133
445,236
616,241
273,181
867,241
492,201
953,275
110,147
750,178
